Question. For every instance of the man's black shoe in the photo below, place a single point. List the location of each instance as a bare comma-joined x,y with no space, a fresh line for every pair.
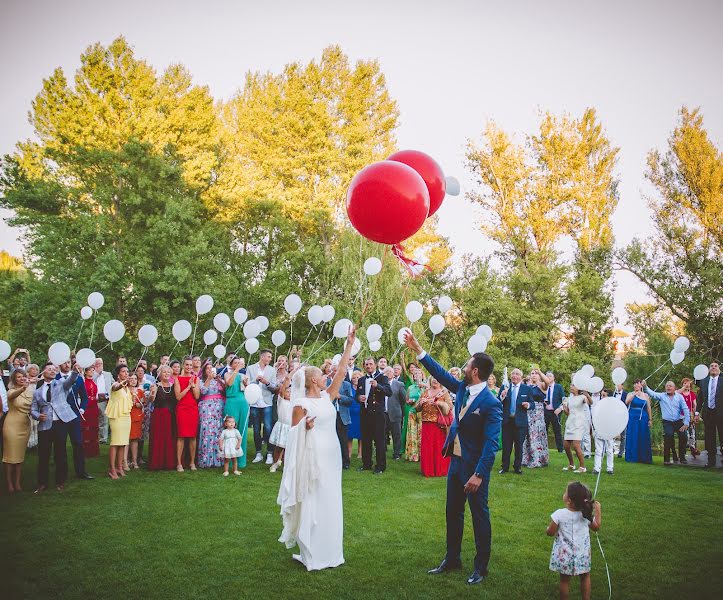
363,469
502,471
476,578
85,476
444,567
378,471
518,471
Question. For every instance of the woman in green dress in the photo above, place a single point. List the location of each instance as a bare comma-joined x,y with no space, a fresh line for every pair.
236,404
411,425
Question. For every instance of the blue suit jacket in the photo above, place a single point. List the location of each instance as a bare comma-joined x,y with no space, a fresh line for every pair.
478,430
346,397
526,393
77,397
557,395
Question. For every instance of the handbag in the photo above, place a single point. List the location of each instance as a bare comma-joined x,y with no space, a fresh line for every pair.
444,422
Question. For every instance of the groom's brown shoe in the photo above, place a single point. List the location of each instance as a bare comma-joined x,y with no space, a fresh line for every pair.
444,567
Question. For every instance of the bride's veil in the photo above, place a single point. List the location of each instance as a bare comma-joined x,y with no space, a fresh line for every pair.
298,385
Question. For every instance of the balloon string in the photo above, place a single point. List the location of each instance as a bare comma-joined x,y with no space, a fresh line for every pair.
397,352
432,344
193,343
170,356
77,340
141,358
658,369
664,378
597,537
104,347
307,338
291,335
232,334
367,304
315,352
92,330
399,307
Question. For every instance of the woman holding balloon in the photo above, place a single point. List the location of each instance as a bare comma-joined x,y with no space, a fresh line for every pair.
118,412
640,420
187,392
575,426
161,450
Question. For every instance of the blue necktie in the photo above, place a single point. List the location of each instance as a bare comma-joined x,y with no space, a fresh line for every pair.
513,401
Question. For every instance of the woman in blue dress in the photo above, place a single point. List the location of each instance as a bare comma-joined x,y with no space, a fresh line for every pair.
640,420
354,431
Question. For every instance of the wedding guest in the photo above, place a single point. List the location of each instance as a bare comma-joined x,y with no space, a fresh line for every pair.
236,404
354,430
434,402
175,370
671,406
161,451
414,424
711,397
492,385
77,399
121,361
33,373
20,359
280,432
620,394
16,427
692,401
516,400
50,408
535,451
395,410
103,380
196,362
264,375
570,526
640,421
553,407
575,426
118,412
136,433
187,393
91,416
343,417
211,413
372,393
229,445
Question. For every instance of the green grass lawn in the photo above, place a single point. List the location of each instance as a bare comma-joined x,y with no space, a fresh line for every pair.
199,535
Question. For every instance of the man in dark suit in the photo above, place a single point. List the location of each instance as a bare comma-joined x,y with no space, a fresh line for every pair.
351,367
516,401
472,441
711,409
371,392
77,399
621,395
395,411
553,406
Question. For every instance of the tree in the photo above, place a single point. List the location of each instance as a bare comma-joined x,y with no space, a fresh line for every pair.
682,263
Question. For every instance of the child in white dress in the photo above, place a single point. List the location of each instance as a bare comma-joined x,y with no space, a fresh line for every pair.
571,528
229,445
280,432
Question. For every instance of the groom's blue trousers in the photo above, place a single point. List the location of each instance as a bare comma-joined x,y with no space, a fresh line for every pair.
457,477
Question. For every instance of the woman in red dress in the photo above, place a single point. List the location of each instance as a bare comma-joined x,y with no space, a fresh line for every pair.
187,393
162,452
434,400
90,423
136,434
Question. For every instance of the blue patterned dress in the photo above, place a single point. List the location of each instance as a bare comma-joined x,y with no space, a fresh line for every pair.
210,413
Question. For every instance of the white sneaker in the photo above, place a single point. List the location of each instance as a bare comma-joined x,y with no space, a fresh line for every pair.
273,467
225,473
258,458
269,459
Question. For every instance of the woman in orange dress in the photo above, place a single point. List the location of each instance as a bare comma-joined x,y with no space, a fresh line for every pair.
139,400
434,401
187,391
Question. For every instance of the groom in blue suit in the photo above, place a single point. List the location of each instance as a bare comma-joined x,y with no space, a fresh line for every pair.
472,441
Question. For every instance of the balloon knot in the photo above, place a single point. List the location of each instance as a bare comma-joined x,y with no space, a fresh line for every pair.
414,268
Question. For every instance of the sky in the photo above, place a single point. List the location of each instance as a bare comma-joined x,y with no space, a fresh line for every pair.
451,65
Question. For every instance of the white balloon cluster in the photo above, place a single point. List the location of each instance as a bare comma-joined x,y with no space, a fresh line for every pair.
680,347
478,342
585,380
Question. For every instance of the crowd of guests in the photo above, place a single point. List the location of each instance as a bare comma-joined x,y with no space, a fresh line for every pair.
194,413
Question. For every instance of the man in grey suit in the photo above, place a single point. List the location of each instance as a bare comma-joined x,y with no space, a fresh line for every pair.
395,410
343,416
53,413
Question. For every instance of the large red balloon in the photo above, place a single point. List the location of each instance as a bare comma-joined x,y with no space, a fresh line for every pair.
387,202
430,171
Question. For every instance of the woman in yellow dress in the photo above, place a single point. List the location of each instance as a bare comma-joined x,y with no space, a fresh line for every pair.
16,430
118,412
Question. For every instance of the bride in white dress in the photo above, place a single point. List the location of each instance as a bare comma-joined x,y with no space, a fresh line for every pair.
310,492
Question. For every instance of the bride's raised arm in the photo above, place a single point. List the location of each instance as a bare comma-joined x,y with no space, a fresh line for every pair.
333,389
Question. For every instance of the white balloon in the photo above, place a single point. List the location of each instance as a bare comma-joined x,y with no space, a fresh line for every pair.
210,337
263,323
476,343
316,315
336,360
251,329
677,357
114,330
240,315
292,304
453,188
5,350
700,372
581,381
596,385
619,376
341,328
253,393
204,304
328,312
436,324
444,303
374,332
375,346
278,338
182,330
372,266
86,313
414,311
356,346
251,345
59,353
219,350
609,418
588,370
682,344
147,335
222,322
485,331
401,332
85,358
96,300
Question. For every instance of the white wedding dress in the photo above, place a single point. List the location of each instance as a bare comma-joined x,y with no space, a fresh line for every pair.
310,493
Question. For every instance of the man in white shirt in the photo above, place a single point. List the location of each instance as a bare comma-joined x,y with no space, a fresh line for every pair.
263,374
103,380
